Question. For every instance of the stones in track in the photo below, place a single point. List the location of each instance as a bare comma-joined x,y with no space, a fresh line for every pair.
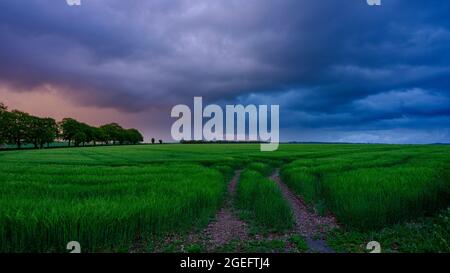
226,226
307,223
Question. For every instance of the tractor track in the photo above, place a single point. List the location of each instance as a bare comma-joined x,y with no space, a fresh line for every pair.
226,226
307,223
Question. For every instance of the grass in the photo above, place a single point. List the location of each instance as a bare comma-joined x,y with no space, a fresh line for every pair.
367,191
194,248
374,198
262,202
104,208
299,242
105,197
262,168
427,235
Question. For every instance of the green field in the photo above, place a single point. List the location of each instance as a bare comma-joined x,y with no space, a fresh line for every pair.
261,201
108,197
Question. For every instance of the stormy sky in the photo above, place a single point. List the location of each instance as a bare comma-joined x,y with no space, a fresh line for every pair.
340,70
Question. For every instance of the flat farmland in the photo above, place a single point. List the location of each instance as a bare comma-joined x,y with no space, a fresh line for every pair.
171,198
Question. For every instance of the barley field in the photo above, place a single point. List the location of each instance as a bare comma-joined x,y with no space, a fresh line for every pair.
108,197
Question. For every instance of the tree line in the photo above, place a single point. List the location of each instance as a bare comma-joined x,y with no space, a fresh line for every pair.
20,128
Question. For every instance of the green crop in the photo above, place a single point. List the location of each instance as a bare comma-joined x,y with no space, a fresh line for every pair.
108,197
262,200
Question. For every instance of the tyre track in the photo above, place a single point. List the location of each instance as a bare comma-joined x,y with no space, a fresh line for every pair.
307,223
226,226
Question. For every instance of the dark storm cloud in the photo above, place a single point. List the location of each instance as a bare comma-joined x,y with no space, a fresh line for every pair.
329,64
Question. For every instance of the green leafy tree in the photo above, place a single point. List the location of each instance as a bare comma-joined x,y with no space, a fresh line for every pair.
70,127
20,128
114,132
5,124
49,131
89,132
100,135
79,137
35,130
153,140
40,131
133,136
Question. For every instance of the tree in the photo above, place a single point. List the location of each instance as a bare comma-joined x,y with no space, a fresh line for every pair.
49,132
153,140
160,141
70,127
79,137
133,136
34,131
99,135
114,132
5,123
88,132
41,131
20,127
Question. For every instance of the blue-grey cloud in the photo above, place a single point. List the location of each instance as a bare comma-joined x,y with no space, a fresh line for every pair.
331,65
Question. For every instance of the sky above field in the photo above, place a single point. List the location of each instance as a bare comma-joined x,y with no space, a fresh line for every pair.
340,70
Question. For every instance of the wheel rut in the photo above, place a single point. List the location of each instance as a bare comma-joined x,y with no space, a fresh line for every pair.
307,223
226,226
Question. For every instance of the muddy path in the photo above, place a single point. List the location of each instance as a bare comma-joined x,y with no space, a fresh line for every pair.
227,226
307,222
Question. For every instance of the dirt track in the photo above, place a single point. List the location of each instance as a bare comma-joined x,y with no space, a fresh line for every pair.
226,226
307,223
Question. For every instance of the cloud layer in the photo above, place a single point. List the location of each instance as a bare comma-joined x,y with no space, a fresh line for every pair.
361,73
